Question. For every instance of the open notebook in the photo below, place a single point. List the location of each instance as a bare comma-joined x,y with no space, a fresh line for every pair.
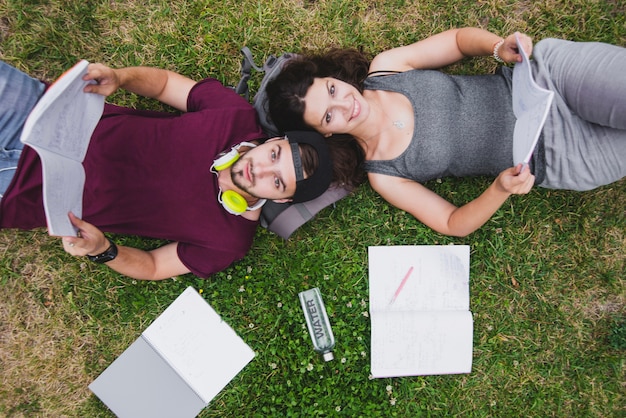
176,366
419,310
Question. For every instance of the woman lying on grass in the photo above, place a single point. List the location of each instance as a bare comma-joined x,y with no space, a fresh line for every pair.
414,124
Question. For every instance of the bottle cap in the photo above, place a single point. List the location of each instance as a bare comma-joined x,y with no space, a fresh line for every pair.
328,356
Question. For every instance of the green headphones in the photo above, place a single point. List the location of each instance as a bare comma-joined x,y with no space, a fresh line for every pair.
232,201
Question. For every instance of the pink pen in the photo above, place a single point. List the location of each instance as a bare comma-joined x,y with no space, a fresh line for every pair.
402,283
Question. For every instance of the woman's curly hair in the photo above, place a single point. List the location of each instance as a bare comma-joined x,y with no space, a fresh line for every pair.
285,94
285,103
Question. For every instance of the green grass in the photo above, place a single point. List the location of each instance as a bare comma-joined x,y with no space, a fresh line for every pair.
547,271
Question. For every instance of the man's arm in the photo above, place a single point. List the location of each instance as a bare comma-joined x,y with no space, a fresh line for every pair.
161,263
158,264
164,85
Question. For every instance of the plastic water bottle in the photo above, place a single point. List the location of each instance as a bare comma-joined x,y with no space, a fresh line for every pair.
317,322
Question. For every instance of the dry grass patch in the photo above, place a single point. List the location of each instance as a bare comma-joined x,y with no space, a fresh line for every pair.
41,348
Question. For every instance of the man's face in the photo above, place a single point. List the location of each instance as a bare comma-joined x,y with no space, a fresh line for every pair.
266,171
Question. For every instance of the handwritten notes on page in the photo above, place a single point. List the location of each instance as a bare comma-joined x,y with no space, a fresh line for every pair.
531,104
59,128
419,310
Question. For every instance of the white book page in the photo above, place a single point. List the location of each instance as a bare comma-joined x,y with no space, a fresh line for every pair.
531,104
419,310
419,277
64,118
204,350
60,195
59,128
421,343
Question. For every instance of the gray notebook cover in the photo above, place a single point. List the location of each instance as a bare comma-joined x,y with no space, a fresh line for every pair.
140,383
177,365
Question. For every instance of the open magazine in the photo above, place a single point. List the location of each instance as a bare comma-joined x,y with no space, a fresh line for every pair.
531,104
59,128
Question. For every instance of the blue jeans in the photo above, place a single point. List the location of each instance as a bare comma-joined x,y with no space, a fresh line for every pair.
18,95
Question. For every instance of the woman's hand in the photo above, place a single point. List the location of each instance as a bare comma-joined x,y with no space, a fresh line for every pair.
509,52
515,180
90,240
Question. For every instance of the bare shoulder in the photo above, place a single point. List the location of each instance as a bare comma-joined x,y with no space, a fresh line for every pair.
383,180
380,181
397,190
390,60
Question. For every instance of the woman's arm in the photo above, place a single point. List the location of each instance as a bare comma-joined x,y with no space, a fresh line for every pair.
164,85
446,48
441,215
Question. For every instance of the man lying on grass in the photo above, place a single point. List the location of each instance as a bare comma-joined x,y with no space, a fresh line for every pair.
159,174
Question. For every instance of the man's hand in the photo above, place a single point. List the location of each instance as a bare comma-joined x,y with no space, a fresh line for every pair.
90,240
163,85
516,180
158,264
107,78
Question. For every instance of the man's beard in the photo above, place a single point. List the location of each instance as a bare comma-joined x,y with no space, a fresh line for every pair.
237,176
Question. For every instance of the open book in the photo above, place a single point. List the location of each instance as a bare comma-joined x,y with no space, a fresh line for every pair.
419,310
59,128
177,365
531,104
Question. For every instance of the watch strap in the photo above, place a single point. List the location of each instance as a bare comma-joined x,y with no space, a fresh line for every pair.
105,256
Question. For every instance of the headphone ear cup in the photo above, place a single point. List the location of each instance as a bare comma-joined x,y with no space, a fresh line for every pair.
226,160
233,202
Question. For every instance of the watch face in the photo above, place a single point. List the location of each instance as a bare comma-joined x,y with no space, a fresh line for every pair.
105,257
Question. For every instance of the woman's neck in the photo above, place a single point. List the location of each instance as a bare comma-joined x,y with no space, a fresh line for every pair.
368,133
382,136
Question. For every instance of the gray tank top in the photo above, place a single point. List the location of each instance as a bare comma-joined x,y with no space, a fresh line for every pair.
463,124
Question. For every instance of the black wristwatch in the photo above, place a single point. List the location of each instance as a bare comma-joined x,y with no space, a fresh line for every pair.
106,256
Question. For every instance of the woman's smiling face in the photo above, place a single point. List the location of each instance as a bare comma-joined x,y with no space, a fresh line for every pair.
333,106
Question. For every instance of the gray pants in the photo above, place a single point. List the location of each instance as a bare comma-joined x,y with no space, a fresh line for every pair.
585,133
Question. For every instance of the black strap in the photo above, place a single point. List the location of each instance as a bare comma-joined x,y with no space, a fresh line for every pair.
247,64
380,72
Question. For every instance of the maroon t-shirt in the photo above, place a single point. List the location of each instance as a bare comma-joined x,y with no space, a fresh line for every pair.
148,174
